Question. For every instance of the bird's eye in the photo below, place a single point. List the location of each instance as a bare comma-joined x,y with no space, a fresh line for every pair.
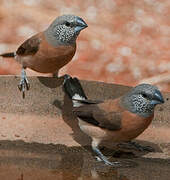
144,95
67,24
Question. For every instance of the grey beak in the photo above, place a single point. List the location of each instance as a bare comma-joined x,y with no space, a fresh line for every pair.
158,98
81,24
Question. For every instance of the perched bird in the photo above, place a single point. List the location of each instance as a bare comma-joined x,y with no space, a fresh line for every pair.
116,120
50,50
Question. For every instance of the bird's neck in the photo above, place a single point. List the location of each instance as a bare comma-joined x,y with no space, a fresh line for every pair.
127,104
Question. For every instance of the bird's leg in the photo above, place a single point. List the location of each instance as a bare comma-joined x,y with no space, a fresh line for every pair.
140,147
24,84
101,156
55,74
95,143
62,78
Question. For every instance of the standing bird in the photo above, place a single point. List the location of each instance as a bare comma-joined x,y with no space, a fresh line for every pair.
116,120
50,50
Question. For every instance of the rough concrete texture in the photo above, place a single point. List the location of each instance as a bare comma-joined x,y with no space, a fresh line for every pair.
44,115
40,138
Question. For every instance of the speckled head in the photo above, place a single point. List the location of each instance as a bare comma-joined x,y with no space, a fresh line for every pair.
64,30
142,99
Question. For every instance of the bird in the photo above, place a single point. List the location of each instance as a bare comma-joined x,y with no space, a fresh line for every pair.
49,50
115,120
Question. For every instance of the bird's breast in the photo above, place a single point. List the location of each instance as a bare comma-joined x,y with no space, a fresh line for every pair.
48,59
133,125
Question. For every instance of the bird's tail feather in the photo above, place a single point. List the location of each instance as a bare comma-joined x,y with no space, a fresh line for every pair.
73,88
10,54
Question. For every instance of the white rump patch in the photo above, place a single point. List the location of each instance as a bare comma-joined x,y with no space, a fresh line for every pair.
78,97
75,99
15,54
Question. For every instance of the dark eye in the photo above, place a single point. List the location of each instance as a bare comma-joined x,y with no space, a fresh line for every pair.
144,95
67,24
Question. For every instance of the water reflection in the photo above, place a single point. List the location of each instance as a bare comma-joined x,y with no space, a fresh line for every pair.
22,161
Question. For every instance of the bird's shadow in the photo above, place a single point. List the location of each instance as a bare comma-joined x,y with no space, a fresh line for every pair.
51,82
69,118
85,141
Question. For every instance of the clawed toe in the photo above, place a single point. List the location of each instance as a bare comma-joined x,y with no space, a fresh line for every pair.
24,84
122,164
117,164
65,77
114,164
22,87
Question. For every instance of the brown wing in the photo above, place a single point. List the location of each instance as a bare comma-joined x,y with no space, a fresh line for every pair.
98,117
29,47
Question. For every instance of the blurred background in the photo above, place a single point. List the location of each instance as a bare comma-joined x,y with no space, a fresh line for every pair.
127,42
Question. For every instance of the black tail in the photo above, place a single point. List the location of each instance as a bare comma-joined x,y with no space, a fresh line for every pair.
73,88
10,54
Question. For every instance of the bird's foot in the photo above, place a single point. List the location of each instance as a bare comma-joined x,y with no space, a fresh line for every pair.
65,77
101,157
24,84
55,74
140,147
116,164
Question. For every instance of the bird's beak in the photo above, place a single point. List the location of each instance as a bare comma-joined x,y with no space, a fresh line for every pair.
81,24
158,98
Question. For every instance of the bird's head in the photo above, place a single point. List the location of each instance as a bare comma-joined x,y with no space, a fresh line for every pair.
65,29
142,99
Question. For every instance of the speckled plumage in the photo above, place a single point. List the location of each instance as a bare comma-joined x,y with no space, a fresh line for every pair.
115,120
63,30
139,99
50,50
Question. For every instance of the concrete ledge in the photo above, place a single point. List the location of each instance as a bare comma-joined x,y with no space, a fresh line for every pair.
44,115
40,138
